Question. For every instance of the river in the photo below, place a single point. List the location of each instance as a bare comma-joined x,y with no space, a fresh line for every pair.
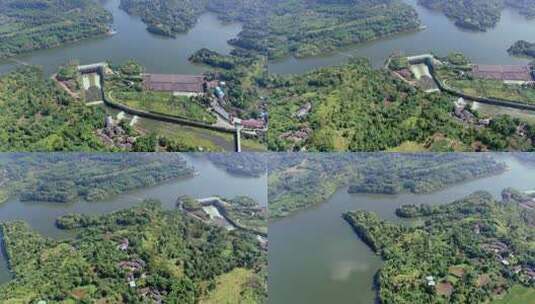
316,258
210,181
441,36
156,53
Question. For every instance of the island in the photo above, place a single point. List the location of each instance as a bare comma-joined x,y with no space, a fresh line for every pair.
140,255
279,29
478,15
64,178
476,250
31,25
322,174
522,48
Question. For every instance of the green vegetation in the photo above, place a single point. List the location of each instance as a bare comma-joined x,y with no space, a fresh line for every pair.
92,177
139,255
125,86
246,213
522,48
354,107
27,25
298,181
242,213
518,294
232,287
280,28
477,15
4,196
37,115
461,79
244,74
310,28
165,103
524,7
470,251
246,164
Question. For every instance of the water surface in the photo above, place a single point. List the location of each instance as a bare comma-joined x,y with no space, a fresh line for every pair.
441,36
316,258
210,181
156,53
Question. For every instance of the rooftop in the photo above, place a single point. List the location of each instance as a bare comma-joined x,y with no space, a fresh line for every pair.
174,83
503,72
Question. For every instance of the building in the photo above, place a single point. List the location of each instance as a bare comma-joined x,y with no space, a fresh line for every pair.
508,73
174,83
250,123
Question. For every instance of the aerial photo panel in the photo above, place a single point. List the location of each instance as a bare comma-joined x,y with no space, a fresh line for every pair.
267,151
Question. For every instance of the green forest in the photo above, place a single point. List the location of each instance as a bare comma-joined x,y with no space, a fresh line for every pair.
297,181
354,107
37,115
30,25
138,255
245,164
280,28
479,15
522,48
67,177
473,250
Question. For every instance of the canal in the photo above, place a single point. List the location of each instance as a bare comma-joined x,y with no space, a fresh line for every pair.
441,36
210,181
315,257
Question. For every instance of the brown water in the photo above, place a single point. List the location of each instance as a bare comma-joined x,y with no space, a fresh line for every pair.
316,258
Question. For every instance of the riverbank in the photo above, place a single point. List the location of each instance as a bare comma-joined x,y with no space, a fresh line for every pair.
440,34
315,252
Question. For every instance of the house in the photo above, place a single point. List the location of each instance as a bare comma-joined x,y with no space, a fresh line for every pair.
123,246
430,281
303,111
253,123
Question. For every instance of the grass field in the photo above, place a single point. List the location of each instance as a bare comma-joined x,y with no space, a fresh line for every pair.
487,88
230,288
166,103
518,295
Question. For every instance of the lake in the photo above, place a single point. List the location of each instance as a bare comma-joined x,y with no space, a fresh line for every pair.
210,181
441,36
315,256
156,53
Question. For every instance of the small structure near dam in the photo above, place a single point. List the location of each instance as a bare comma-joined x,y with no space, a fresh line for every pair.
179,84
517,74
420,68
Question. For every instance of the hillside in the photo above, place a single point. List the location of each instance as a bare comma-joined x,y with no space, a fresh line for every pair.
38,24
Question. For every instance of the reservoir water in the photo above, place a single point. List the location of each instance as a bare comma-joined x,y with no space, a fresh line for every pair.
315,257
210,181
132,41
441,36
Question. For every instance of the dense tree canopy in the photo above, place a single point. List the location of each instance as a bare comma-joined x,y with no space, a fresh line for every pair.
27,25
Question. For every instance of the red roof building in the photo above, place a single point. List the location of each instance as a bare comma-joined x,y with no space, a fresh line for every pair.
174,83
502,72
